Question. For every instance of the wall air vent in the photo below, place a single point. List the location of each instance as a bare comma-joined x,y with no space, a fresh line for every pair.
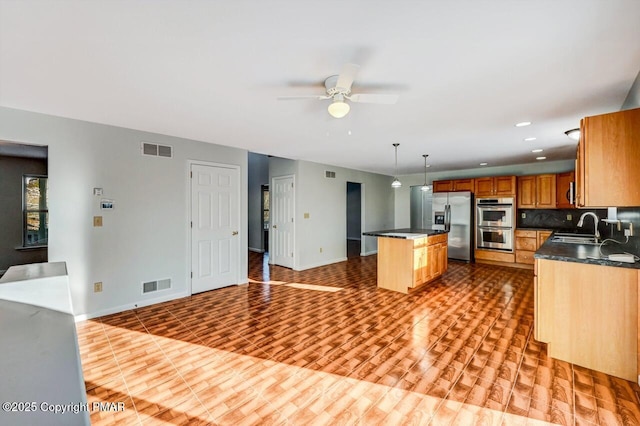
329,174
152,286
155,150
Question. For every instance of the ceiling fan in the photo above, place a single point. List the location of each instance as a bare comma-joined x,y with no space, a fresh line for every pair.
338,88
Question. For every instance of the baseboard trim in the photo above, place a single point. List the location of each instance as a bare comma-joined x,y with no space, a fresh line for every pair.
369,253
317,265
256,250
129,306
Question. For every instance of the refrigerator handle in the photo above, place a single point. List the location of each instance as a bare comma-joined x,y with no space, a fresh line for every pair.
447,217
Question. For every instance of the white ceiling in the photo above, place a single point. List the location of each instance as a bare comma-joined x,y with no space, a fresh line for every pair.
466,72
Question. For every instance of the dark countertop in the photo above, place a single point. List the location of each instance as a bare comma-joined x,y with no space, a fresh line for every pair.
404,233
584,253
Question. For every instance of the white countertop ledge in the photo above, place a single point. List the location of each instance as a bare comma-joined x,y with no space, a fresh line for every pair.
39,284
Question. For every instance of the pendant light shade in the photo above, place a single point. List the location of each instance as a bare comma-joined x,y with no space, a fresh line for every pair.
396,182
425,187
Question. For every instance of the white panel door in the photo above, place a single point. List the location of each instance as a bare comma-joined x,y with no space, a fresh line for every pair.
282,214
215,225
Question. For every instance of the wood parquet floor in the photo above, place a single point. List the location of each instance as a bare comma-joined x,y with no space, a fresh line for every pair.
458,352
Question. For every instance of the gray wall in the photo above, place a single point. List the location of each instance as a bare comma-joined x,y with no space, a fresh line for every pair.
147,235
633,98
258,166
11,171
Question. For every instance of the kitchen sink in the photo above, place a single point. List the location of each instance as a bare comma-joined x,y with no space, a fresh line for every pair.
561,237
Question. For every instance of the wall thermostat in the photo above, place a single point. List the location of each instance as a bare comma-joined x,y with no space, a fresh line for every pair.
106,204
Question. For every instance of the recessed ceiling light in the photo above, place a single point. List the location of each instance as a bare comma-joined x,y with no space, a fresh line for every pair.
483,164
537,150
349,132
541,158
523,123
529,139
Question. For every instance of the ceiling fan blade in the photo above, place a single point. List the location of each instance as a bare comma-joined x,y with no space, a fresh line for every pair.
346,77
373,98
289,98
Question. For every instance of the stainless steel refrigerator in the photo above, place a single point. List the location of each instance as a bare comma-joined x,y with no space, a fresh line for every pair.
421,215
453,212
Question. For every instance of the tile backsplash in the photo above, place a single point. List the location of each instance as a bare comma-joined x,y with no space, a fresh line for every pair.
558,219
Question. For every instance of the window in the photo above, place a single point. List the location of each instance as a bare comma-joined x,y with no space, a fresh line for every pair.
35,211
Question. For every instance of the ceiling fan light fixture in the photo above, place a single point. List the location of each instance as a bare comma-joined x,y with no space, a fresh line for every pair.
573,134
338,108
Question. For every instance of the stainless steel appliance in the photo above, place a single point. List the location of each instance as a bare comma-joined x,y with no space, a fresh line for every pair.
421,201
453,212
495,223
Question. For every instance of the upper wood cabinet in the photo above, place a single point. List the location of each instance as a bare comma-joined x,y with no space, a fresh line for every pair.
495,186
454,185
563,190
608,160
537,192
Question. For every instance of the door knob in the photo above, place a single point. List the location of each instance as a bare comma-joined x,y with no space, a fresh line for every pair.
234,233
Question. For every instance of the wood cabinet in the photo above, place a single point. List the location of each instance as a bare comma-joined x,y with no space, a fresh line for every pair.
608,160
499,186
537,192
588,315
454,185
404,264
564,181
527,242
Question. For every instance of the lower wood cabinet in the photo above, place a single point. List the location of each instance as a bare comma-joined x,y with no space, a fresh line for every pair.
527,242
588,315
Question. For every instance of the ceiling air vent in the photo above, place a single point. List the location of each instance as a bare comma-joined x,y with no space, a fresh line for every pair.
155,150
152,286
329,174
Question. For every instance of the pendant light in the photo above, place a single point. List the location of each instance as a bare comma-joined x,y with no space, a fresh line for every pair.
396,183
425,187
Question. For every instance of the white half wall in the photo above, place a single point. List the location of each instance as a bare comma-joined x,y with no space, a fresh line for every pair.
146,236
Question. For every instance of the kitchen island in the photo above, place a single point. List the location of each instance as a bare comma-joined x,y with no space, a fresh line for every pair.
586,306
409,258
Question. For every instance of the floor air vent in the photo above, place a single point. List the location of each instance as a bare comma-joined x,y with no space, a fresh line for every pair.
151,286
155,150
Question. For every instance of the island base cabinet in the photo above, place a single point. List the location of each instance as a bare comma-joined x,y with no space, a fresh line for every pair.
404,264
588,315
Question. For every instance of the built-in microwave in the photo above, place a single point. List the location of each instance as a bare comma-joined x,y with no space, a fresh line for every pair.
496,212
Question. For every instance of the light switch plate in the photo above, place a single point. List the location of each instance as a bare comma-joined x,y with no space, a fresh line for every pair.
97,221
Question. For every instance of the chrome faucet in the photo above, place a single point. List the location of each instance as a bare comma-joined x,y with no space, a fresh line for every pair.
596,219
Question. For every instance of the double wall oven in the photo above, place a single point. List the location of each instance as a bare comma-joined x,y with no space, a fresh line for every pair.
495,223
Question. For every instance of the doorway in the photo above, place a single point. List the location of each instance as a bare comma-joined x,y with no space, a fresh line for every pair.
354,219
215,226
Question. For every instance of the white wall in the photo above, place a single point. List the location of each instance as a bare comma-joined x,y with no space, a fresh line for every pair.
402,194
326,202
146,236
258,171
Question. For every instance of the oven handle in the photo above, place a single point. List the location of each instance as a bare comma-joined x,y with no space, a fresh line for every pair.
496,228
